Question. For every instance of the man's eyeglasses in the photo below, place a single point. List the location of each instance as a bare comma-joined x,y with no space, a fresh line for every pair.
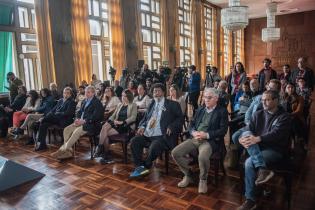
208,97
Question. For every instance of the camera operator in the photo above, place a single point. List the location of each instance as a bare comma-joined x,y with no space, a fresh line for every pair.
212,76
194,86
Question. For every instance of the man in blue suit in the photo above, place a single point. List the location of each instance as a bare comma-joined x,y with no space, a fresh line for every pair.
158,130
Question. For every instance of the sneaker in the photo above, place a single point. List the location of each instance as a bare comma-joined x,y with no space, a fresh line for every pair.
264,175
185,181
139,171
56,154
248,205
106,160
202,188
65,155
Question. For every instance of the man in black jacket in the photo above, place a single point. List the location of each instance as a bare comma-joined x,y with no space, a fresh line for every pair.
6,113
158,130
304,72
62,115
88,120
266,74
266,140
207,130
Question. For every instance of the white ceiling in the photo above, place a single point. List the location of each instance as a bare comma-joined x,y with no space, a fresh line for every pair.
257,8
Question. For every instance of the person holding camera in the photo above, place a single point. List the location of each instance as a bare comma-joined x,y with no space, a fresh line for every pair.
212,76
193,86
14,84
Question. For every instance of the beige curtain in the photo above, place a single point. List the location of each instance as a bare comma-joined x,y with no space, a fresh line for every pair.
203,44
117,36
215,37
177,44
164,31
138,31
194,40
81,42
45,42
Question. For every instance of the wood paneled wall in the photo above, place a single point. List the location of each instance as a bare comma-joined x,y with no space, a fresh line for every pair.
297,39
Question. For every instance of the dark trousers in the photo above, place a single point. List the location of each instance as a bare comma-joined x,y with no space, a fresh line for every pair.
193,99
156,146
5,119
43,127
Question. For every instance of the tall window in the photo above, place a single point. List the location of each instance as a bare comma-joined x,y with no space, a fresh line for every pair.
184,31
151,32
209,33
226,49
237,39
26,43
100,37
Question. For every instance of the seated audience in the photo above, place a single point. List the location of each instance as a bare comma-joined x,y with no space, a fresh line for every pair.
118,89
54,91
294,104
207,131
47,102
243,99
158,131
304,72
132,87
110,102
124,115
148,85
79,98
254,87
224,97
61,115
176,96
142,99
95,82
266,140
6,113
88,120
31,104
303,91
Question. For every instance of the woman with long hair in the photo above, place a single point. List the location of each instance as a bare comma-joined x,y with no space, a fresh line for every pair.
175,95
31,104
235,80
119,122
110,102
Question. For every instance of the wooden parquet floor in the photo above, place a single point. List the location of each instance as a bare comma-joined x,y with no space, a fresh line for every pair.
81,183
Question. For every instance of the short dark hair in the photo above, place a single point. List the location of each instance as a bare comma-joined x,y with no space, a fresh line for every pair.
192,67
10,74
277,82
129,95
46,91
300,78
159,85
286,65
268,60
274,94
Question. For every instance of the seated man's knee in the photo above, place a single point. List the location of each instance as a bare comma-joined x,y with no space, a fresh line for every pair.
236,136
248,163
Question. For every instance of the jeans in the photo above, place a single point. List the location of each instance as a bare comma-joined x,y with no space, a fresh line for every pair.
257,159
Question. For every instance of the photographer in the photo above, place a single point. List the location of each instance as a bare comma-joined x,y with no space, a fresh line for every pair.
212,76
14,84
193,86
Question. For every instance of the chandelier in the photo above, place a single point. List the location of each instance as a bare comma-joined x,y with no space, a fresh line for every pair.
234,17
271,33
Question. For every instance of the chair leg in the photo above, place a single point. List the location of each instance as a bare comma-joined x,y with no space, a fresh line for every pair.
91,146
216,172
288,184
124,147
242,181
166,162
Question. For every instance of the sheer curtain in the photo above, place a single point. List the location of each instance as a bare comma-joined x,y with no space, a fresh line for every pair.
81,41
117,36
